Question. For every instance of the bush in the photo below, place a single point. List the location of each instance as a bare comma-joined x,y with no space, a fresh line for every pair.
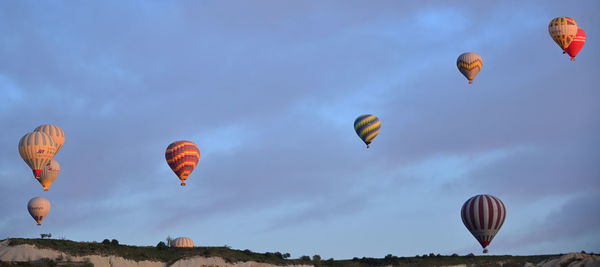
389,256
286,255
454,255
161,245
45,236
305,258
106,242
316,258
114,242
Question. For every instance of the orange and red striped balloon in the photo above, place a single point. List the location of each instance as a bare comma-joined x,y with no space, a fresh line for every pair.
182,157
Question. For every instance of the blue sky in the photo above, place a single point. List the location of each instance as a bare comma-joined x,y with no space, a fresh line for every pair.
269,91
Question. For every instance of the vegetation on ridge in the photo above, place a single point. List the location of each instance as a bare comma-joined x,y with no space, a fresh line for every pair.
170,255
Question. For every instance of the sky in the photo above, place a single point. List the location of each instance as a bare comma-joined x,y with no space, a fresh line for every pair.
269,91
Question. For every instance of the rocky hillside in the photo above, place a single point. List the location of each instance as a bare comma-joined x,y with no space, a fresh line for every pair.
49,252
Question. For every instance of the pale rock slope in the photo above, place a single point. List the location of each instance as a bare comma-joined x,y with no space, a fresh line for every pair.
31,253
570,260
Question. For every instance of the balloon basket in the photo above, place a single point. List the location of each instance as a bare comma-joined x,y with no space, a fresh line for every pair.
485,250
182,184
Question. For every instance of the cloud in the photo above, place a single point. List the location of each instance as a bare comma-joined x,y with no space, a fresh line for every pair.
568,225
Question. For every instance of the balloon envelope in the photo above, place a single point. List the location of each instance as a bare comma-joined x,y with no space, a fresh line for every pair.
37,149
57,134
182,157
563,31
483,215
367,127
183,242
38,207
469,64
576,44
49,174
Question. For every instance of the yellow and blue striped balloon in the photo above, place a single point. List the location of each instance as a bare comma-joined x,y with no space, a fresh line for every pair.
367,127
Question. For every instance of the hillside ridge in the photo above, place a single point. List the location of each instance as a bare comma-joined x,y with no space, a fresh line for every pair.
52,252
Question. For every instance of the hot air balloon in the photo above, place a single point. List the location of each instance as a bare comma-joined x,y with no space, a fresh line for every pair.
483,215
182,242
38,208
367,127
563,31
49,174
576,44
182,157
469,64
57,134
37,149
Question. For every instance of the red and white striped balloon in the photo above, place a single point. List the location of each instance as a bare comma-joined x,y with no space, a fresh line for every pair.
483,215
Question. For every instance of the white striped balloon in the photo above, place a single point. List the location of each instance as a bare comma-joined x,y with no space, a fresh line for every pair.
57,134
37,149
183,242
483,215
